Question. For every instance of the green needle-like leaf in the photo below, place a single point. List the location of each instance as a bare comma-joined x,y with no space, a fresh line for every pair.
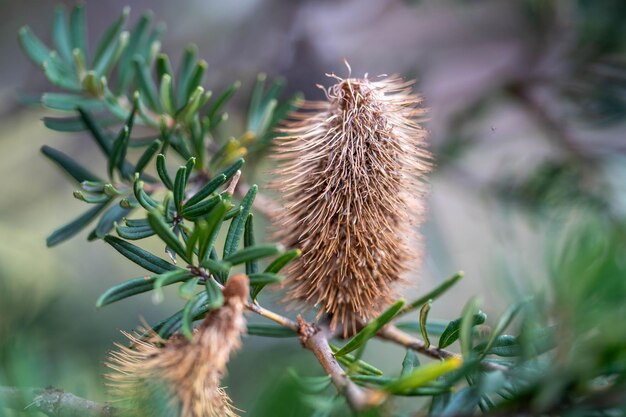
140,256
125,290
252,253
435,293
277,264
109,38
163,174
264,278
371,329
147,156
161,228
61,34
213,224
169,278
270,330
134,233
357,365
252,267
74,226
410,362
108,220
423,317
34,48
101,138
235,231
468,320
205,191
78,29
179,187
73,168
423,375
452,331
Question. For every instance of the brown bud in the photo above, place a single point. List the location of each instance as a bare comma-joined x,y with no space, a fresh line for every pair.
180,373
351,176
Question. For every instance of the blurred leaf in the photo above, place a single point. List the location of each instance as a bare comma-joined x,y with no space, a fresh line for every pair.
410,362
471,315
435,293
169,278
147,156
110,217
74,226
61,33
70,102
34,48
371,329
252,253
357,365
452,331
108,40
270,330
73,168
423,375
78,29
264,278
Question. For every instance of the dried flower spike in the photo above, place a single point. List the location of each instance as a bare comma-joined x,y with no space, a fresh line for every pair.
351,178
180,375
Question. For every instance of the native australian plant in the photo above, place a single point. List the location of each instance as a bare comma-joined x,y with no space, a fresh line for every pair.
351,177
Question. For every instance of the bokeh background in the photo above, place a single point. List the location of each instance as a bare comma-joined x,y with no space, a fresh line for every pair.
526,125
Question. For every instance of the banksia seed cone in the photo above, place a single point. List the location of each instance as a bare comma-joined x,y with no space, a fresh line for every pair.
179,375
351,178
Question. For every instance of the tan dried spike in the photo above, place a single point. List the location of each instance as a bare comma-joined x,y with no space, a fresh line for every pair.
351,173
184,374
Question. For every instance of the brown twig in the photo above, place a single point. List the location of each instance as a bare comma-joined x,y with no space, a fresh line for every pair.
53,402
393,334
275,317
315,339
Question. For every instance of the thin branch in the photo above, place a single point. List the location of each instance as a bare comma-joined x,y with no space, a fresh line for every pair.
316,340
393,334
282,320
53,402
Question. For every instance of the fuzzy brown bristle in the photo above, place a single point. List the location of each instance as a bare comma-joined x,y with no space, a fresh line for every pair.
351,177
181,375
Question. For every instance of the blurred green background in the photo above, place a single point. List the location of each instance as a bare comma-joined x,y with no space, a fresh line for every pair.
526,124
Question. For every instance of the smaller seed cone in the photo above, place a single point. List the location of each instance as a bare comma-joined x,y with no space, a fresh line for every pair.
179,377
351,173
